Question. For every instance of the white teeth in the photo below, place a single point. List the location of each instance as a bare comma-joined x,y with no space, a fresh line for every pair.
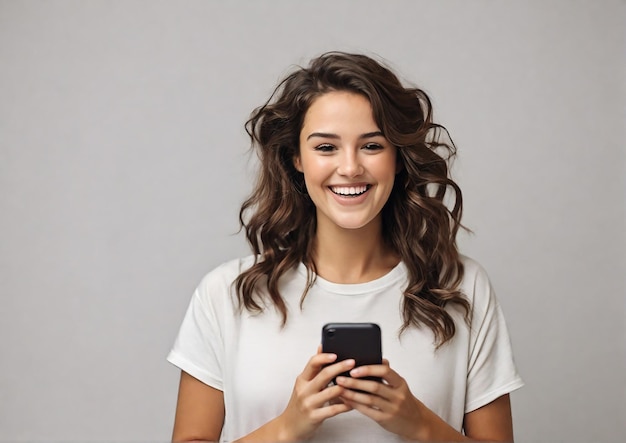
349,190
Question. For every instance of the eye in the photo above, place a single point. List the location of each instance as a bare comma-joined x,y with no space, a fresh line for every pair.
373,147
324,148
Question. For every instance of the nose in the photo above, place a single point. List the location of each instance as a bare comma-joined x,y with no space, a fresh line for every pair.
349,163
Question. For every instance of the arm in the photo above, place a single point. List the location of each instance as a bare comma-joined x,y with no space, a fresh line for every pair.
199,411
492,422
312,401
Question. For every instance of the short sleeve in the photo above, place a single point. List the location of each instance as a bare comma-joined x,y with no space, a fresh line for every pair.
491,369
198,348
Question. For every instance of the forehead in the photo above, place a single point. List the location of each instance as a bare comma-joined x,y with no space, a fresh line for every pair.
339,109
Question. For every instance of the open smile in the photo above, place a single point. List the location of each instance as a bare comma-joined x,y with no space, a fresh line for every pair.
350,191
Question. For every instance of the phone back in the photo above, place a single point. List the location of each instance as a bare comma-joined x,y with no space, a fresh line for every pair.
360,341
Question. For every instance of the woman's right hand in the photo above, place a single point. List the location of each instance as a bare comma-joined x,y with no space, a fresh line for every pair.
312,399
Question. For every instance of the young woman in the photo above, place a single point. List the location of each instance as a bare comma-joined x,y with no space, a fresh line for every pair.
347,223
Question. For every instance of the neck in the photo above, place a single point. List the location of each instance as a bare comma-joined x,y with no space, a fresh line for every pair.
352,255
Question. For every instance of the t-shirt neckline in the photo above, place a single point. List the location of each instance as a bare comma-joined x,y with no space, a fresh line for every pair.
385,281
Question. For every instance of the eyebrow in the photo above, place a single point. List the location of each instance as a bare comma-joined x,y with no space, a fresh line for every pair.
336,137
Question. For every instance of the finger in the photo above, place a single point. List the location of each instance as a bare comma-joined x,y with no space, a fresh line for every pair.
375,414
324,377
316,363
385,362
331,394
355,398
331,410
371,387
382,371
327,397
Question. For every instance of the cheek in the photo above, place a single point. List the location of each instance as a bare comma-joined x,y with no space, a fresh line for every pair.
315,169
385,170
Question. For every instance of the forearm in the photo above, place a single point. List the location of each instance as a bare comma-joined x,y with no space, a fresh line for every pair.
436,429
492,422
272,431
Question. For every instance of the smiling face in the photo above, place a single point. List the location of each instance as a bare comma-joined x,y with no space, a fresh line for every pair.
349,167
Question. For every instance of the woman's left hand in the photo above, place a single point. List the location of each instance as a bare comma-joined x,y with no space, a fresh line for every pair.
390,403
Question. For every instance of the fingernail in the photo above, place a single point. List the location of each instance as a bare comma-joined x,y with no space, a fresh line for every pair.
349,362
355,371
341,379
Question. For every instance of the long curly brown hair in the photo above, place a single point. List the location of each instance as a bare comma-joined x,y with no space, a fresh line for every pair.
279,217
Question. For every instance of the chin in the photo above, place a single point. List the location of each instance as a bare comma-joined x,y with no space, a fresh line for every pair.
353,225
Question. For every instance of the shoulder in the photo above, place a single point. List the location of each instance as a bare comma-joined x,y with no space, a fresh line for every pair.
228,271
476,285
219,281
473,271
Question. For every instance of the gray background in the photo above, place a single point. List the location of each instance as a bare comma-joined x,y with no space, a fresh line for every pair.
123,163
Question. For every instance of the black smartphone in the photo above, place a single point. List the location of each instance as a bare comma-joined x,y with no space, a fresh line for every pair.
360,341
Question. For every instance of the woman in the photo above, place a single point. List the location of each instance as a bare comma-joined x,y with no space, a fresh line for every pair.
348,223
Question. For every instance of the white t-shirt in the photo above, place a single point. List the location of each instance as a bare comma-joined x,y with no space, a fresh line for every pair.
255,362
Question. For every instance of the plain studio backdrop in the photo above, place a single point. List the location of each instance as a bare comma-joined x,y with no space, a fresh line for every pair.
123,162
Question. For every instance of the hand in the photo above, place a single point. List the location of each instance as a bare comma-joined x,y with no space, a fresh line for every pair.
389,403
312,400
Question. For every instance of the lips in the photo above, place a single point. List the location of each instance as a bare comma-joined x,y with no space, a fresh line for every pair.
350,191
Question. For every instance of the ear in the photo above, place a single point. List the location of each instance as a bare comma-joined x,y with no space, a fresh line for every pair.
297,163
